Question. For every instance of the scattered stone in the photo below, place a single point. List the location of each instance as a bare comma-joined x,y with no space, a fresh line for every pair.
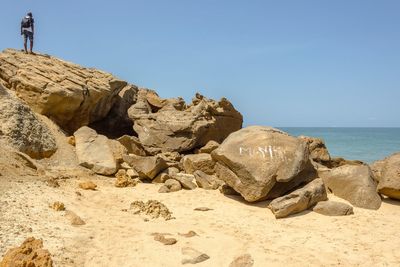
242,261
132,173
71,140
209,147
74,219
164,240
208,182
333,208
165,175
251,161
353,183
89,185
202,209
58,206
79,194
186,180
195,256
153,208
29,254
52,182
171,185
124,180
147,167
189,234
202,162
299,200
94,151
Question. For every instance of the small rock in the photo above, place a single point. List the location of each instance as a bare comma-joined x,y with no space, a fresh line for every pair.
79,194
52,182
71,140
194,256
333,208
88,185
209,147
124,180
202,209
186,180
242,261
152,208
205,181
163,189
189,234
58,206
164,240
132,173
74,219
171,185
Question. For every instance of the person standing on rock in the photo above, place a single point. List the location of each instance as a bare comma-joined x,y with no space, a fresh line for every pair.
28,30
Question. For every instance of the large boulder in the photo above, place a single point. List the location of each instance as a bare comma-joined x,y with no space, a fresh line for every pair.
171,126
94,151
22,129
389,179
67,93
255,159
353,183
299,200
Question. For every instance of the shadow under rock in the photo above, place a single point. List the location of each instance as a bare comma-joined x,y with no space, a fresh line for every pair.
391,201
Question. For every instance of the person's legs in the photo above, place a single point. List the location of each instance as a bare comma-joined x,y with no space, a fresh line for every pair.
25,41
31,41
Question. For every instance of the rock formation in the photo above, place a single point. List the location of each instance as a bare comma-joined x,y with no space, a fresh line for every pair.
333,208
71,95
388,175
253,160
173,126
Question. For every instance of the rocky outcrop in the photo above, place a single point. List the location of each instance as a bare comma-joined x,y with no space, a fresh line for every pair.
299,200
253,160
333,208
94,151
71,95
30,254
22,129
389,176
353,183
170,125
317,148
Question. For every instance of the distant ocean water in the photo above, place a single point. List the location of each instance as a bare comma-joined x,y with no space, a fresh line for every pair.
365,144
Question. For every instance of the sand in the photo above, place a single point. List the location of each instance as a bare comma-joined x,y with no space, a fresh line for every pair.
114,236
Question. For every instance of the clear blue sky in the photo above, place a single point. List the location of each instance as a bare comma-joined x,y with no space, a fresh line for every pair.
282,63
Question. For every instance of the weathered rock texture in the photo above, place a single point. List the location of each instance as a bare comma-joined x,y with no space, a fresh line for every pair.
255,159
165,125
67,93
317,148
147,167
202,162
353,183
389,177
299,200
22,129
29,254
94,151
333,208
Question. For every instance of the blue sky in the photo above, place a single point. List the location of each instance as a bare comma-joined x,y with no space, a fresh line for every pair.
281,63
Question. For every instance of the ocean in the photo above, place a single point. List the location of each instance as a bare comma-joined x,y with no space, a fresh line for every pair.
365,144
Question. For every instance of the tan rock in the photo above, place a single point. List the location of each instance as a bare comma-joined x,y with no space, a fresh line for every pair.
30,254
147,167
189,234
74,219
71,140
177,128
124,180
389,182
299,200
69,94
317,148
208,182
118,150
242,261
253,160
353,183
58,206
89,185
132,144
193,256
202,162
132,173
22,129
153,208
94,151
167,241
171,185
186,180
333,208
209,147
